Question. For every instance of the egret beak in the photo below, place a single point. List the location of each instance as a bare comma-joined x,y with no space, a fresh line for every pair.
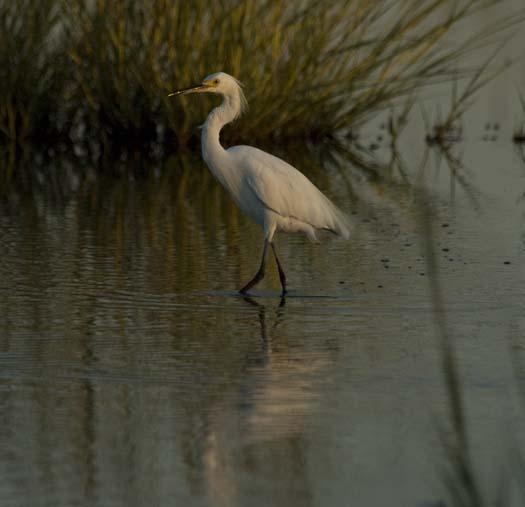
191,89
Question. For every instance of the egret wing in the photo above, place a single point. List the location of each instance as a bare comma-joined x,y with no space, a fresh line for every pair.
288,192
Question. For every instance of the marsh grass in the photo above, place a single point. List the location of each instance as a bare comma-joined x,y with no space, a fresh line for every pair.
32,70
98,73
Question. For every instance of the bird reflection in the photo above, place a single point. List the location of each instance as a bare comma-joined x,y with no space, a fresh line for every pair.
269,415
262,318
253,302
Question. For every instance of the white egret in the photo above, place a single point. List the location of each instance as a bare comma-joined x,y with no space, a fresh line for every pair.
273,193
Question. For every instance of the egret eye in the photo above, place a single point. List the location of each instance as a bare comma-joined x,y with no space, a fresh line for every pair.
216,81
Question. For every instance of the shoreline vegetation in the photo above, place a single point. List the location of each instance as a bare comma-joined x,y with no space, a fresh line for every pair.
93,77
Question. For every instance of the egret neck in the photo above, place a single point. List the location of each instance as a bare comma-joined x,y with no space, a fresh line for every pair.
212,151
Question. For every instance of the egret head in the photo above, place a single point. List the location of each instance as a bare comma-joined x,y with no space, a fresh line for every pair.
219,83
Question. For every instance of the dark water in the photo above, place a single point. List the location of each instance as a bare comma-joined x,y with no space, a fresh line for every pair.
131,373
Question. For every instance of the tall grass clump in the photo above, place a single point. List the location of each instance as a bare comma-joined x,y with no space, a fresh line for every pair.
311,68
32,69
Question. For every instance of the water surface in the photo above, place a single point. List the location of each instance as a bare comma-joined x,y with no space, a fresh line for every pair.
131,372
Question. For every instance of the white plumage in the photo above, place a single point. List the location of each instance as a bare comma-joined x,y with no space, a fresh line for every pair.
289,201
269,190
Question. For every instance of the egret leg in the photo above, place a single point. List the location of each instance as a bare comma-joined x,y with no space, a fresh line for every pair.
282,276
260,274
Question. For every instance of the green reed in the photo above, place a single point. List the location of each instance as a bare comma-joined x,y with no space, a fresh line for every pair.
32,69
101,70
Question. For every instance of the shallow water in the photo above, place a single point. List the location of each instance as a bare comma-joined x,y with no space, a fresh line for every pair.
132,373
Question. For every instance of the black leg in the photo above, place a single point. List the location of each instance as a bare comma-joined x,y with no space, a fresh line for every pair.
282,276
260,274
